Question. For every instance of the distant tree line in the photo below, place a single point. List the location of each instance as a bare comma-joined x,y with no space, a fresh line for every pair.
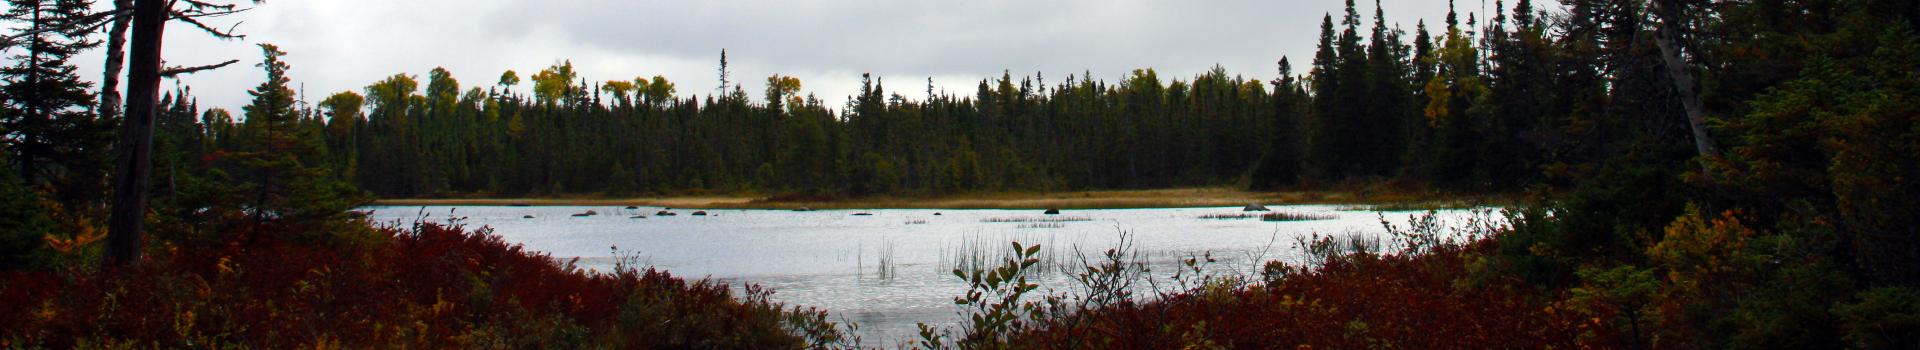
1473,106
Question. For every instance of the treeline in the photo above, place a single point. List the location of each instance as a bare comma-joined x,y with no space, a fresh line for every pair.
577,137
1447,109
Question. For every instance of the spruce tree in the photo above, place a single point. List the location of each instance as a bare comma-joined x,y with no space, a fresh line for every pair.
284,162
48,128
1324,142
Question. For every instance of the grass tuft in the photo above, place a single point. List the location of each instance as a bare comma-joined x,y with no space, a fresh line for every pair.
1291,216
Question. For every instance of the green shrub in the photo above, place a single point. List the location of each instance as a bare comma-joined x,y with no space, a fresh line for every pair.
1884,318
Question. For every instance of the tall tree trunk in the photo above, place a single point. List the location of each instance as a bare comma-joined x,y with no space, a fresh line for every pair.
1667,37
116,59
136,135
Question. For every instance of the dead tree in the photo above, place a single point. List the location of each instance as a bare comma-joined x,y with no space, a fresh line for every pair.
135,165
1667,37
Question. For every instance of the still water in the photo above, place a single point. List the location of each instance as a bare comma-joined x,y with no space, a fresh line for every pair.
890,268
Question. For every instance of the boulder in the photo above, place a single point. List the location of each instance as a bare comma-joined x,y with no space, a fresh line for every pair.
1052,211
664,213
700,213
1256,207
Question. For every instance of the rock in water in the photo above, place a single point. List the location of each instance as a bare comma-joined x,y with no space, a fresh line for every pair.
1053,211
700,213
1256,207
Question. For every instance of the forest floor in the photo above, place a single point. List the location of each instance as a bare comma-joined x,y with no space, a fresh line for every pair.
1120,199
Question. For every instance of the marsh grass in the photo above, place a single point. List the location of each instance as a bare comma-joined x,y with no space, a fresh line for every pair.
978,251
1038,225
1036,219
1411,206
1233,216
885,269
1291,216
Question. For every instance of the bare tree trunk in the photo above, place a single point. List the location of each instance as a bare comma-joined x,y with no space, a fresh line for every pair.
136,135
116,59
1667,37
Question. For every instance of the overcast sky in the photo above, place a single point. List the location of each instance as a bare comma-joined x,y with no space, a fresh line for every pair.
339,45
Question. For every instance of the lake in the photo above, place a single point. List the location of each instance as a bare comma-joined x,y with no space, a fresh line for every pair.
892,268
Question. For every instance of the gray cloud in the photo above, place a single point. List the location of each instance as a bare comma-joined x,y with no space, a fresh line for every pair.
341,45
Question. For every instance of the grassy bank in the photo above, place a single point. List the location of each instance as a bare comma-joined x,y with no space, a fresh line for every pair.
1160,198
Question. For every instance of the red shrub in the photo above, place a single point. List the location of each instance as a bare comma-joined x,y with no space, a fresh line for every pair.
1362,301
430,286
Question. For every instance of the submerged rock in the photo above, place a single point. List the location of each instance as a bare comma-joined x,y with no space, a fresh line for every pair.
862,214
1052,211
700,213
1256,207
638,217
527,217
630,207
664,213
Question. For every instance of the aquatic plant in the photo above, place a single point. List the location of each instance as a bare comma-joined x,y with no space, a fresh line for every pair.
1233,216
1293,216
1032,219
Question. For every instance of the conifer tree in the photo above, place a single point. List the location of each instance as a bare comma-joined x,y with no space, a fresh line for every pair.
53,136
284,162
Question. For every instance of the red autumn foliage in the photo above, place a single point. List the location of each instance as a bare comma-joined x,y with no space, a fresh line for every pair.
1359,301
431,286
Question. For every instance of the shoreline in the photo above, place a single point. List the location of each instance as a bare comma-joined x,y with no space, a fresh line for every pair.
1120,199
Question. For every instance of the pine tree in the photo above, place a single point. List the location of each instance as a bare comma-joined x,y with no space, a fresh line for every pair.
283,164
1387,109
1324,141
1280,165
52,135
